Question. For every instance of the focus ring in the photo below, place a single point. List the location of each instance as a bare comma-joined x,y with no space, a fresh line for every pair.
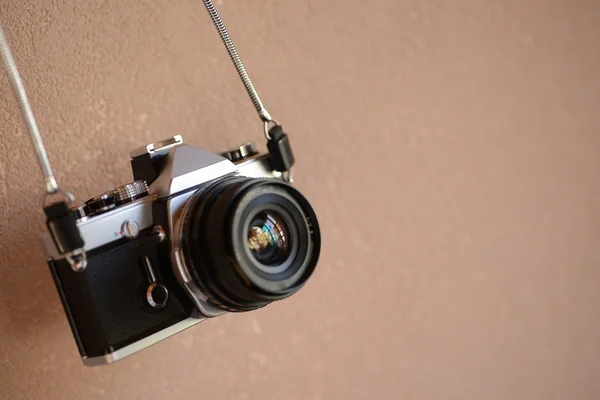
215,244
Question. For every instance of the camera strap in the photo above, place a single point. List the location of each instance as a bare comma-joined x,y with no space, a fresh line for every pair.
18,89
60,218
278,142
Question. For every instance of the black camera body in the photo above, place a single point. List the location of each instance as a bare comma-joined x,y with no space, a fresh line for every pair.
194,236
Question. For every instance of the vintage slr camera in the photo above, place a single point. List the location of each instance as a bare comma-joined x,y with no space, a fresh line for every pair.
194,236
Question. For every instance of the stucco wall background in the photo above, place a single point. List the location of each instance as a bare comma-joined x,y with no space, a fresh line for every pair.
451,150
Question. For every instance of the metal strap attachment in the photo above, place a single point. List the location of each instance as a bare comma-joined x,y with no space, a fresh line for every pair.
241,70
277,141
18,89
61,220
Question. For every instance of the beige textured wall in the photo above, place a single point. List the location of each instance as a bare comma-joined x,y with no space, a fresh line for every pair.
450,148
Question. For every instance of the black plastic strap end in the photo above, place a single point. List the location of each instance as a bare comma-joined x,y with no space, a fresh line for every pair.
280,149
62,224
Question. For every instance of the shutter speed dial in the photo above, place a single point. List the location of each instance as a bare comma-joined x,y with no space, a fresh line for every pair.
129,192
113,198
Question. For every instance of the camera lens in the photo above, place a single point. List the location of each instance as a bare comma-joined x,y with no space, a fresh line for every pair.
248,242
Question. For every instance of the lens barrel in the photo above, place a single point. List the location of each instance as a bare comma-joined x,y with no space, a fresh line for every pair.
248,242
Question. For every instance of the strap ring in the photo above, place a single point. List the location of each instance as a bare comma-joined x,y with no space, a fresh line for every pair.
266,124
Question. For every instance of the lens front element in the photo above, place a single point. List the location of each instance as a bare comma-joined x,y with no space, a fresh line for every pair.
269,238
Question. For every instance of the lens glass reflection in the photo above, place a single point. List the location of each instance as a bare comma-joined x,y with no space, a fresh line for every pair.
268,238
